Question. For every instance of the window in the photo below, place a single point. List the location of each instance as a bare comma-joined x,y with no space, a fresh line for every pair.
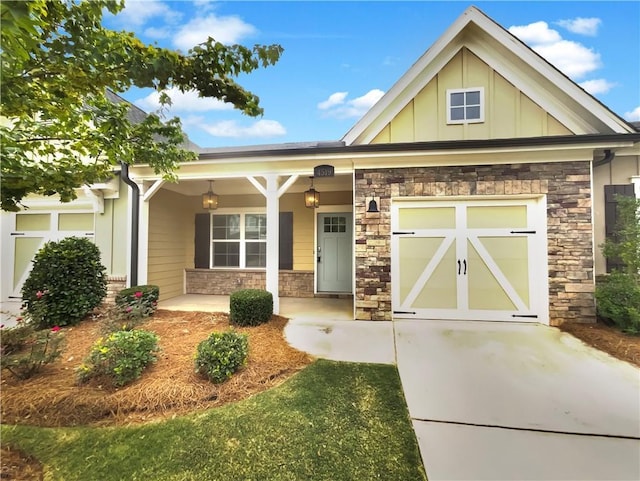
465,105
335,224
239,240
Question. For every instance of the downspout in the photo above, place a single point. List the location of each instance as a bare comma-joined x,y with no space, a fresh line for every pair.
135,221
608,157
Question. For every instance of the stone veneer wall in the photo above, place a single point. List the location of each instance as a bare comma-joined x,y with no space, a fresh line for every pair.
567,186
225,281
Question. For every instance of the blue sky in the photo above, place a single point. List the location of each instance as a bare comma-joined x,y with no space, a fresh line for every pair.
340,57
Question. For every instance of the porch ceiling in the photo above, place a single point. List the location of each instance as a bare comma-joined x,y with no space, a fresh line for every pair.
241,186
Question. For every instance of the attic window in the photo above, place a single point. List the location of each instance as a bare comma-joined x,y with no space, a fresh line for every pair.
465,106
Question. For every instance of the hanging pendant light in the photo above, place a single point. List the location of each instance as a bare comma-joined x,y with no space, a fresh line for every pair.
210,198
311,197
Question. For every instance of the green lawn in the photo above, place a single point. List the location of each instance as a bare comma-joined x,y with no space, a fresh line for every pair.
332,421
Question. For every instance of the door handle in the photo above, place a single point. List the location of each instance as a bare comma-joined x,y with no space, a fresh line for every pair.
460,265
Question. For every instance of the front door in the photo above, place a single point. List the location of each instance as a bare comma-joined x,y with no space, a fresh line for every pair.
335,247
478,259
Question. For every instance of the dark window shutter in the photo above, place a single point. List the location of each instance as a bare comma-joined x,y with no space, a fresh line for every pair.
203,241
286,240
611,213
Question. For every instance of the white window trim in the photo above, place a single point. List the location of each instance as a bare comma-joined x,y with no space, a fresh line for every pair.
465,121
242,212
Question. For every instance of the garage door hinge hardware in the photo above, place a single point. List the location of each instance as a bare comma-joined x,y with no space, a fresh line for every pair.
404,312
532,316
403,233
17,233
522,232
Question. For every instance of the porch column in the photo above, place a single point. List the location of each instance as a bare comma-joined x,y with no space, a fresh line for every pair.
272,193
273,239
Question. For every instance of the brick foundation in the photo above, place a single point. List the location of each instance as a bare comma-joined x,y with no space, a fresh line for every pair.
114,285
225,281
567,187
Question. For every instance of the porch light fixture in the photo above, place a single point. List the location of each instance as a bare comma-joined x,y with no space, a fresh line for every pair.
210,199
373,206
311,197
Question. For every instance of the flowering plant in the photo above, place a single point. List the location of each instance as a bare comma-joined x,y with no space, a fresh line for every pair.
37,348
120,357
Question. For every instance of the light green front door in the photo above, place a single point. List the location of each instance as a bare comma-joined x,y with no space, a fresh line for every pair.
334,257
468,260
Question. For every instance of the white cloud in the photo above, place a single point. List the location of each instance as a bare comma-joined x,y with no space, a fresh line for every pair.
634,115
581,26
597,86
231,128
333,100
137,12
227,30
537,33
182,102
352,108
572,58
158,32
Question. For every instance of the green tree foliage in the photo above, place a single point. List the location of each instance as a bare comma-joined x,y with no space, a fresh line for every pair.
618,295
60,129
624,245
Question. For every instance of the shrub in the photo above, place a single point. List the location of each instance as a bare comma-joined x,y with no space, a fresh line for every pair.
121,356
67,282
624,244
221,354
13,339
250,307
37,348
618,301
138,302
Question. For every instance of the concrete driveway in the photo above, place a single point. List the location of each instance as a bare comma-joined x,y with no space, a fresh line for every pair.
499,401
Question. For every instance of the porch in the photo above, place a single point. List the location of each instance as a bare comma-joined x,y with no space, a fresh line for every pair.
292,307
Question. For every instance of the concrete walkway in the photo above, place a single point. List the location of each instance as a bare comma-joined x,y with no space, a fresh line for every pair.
499,401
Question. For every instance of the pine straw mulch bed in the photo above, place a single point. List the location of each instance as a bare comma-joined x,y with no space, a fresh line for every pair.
167,387
607,339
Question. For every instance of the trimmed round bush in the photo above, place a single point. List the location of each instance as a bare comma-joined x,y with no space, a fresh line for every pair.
250,307
66,283
220,355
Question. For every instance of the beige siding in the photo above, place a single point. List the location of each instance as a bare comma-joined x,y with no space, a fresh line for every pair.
508,111
619,171
112,233
171,234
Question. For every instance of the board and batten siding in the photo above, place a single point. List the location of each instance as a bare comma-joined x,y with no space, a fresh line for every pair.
508,112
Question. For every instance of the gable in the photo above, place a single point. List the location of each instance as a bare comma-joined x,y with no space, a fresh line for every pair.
508,112
527,96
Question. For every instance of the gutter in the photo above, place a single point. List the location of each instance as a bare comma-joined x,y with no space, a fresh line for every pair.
608,157
426,146
135,221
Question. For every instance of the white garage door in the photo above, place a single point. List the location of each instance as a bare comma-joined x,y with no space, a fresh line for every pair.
470,259
24,234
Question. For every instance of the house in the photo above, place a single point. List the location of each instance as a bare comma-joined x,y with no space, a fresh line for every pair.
479,187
